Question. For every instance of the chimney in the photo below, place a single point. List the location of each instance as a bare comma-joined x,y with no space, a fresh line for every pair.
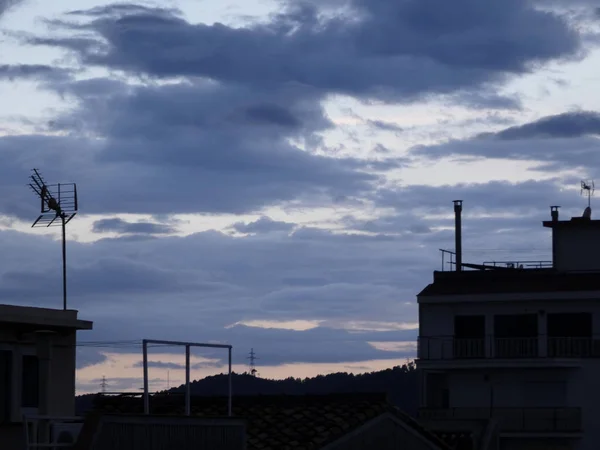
458,233
554,213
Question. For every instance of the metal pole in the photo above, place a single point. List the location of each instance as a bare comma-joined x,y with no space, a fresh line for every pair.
146,396
229,409
64,260
187,380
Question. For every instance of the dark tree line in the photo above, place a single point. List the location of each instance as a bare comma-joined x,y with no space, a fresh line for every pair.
399,383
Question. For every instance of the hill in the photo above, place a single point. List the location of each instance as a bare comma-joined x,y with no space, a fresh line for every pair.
399,383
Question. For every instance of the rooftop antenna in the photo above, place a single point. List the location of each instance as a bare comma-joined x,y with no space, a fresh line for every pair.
587,188
252,359
58,205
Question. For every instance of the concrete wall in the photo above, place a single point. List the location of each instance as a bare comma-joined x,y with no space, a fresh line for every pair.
577,248
436,319
62,379
510,388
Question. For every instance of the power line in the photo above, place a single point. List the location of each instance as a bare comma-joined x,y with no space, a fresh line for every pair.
103,384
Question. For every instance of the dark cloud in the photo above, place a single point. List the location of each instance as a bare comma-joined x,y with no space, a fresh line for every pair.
501,197
386,50
385,126
180,148
160,365
195,288
116,225
563,141
5,5
36,72
241,128
87,357
565,125
263,225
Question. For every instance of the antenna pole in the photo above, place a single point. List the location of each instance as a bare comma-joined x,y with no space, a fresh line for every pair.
64,260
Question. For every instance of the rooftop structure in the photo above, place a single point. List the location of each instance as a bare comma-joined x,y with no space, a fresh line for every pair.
516,344
37,367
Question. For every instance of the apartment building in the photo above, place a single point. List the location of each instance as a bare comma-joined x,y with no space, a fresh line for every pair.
509,354
37,367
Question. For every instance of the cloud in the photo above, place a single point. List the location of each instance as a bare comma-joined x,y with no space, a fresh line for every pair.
380,49
263,225
559,142
239,127
565,125
123,227
13,72
160,365
183,148
385,126
5,5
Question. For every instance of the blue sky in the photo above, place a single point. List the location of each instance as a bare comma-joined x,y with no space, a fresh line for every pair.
279,175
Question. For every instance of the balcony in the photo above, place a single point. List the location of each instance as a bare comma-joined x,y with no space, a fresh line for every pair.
513,420
450,348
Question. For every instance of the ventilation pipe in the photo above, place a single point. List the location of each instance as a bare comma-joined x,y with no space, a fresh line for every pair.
458,233
554,213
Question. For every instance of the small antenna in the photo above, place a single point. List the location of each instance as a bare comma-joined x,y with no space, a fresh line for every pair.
104,384
252,359
587,188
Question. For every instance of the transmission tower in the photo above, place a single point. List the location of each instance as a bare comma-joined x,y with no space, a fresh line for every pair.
104,384
252,359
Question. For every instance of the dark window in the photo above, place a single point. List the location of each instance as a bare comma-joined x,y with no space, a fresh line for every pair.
570,335
469,336
469,326
569,325
30,387
5,385
521,325
516,336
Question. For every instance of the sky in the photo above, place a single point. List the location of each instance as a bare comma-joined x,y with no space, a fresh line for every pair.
279,175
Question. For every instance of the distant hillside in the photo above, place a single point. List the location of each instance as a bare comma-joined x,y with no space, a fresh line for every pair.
400,383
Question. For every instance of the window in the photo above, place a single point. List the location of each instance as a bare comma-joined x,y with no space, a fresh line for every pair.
469,336
30,388
5,385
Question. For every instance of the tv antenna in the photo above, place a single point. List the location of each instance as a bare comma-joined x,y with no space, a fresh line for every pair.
587,188
252,359
58,205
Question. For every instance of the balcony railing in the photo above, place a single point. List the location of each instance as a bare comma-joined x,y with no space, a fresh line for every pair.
449,347
515,420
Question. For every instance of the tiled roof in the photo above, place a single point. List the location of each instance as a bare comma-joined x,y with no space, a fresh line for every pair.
279,422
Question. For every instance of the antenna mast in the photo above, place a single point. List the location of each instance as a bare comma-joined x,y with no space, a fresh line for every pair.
58,205
587,189
252,359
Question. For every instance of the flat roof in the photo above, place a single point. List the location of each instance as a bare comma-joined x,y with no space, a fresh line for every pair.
575,222
45,317
510,281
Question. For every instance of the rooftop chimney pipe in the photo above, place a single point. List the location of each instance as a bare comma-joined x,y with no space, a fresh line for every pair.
554,213
458,233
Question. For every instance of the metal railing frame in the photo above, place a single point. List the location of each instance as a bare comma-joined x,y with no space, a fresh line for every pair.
487,347
187,346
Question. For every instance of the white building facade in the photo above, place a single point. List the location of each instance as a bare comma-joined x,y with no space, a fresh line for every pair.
510,355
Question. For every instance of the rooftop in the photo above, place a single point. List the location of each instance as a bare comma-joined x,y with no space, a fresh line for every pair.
34,317
510,281
278,421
